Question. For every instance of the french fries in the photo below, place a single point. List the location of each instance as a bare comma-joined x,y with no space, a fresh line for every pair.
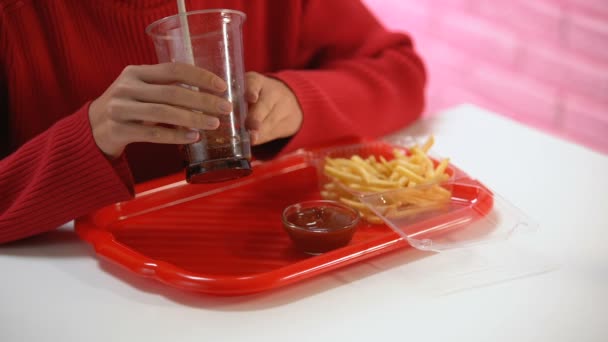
354,177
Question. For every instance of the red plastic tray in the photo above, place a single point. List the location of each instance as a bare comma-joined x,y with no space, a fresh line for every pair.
227,239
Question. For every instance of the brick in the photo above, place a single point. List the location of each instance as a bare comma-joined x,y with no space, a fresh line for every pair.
433,105
442,81
439,54
529,19
566,70
485,40
593,8
403,16
544,63
588,35
528,101
587,121
441,5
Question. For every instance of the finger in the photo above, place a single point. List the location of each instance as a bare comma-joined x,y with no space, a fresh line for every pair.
161,113
269,129
253,86
167,73
258,112
182,97
254,137
132,132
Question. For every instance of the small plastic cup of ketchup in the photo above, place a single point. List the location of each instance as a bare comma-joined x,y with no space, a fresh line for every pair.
319,226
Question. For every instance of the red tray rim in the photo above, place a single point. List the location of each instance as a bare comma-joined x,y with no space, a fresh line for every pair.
107,247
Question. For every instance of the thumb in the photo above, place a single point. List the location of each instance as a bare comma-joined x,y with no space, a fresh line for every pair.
253,86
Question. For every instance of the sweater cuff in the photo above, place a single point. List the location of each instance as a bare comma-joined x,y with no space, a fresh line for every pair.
107,174
122,169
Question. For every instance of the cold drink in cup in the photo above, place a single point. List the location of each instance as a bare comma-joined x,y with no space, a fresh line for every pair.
212,40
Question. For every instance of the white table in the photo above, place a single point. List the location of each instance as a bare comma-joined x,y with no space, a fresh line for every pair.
53,288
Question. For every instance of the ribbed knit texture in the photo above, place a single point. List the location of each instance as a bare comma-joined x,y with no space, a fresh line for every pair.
57,56
58,172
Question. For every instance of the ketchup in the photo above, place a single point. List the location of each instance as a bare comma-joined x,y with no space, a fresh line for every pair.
320,226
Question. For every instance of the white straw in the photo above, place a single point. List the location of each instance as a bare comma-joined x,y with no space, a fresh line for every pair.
183,18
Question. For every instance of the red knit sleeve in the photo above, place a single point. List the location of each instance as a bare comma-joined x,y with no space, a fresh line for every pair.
359,79
56,177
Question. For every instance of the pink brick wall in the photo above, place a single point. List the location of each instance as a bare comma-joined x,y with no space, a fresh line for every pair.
541,62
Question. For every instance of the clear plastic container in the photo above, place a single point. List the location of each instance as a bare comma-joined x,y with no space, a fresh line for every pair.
215,44
469,213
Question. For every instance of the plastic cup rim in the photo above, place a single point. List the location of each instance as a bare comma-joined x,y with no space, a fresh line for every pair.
189,13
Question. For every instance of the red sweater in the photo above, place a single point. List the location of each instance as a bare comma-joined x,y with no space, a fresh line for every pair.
350,75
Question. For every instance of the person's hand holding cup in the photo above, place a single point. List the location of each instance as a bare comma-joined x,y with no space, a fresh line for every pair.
145,104
196,97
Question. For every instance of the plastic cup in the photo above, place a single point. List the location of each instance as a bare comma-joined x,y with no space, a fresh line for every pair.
211,39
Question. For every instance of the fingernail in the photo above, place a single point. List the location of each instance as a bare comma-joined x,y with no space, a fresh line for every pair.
192,135
253,136
219,84
214,123
254,125
225,106
252,98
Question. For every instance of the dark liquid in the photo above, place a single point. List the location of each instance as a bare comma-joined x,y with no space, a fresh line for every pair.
221,154
230,147
324,229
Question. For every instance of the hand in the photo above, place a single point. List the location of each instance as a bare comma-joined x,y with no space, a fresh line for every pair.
274,111
145,104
